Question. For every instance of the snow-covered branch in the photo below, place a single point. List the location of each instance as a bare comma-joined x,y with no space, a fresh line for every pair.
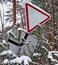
19,60
9,52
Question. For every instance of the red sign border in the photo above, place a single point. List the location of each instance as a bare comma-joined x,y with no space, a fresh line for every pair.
27,18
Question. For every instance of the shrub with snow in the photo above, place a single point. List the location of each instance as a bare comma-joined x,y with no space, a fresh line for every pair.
23,59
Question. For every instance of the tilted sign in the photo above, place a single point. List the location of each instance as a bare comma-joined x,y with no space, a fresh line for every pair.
35,16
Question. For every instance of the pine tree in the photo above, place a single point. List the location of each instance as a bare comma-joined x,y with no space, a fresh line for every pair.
49,30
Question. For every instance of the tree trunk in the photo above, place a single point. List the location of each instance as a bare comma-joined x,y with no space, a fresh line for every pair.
14,12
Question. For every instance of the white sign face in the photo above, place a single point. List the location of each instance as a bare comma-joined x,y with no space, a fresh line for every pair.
35,16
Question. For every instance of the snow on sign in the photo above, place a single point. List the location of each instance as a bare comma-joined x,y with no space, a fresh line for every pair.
35,16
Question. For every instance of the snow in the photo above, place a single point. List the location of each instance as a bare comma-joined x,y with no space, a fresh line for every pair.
9,31
5,7
5,61
26,62
27,42
2,45
45,48
24,1
9,4
36,54
54,52
8,24
56,37
21,29
45,40
3,41
50,55
56,55
19,60
7,52
56,64
24,58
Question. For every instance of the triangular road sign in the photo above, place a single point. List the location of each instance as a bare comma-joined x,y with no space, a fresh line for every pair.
35,16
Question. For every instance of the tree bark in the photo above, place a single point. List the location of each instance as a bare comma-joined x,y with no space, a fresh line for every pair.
14,12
